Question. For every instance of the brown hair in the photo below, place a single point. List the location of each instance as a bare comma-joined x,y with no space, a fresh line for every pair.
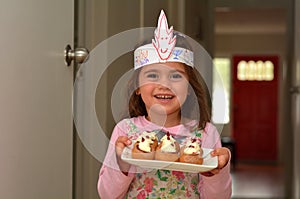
197,102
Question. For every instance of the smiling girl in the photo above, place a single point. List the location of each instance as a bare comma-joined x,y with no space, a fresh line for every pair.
165,93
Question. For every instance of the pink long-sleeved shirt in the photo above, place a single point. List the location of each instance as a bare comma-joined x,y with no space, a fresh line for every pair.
113,183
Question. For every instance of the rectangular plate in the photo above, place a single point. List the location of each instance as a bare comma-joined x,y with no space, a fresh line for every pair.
209,163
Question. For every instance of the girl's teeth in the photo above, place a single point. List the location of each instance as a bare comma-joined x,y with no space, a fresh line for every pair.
164,96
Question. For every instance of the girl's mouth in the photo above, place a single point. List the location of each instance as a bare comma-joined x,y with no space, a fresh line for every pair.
164,97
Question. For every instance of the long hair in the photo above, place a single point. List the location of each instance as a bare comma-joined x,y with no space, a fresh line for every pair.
136,104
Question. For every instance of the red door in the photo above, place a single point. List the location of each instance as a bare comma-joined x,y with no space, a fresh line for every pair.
255,111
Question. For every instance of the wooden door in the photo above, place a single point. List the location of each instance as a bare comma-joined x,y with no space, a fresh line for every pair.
255,111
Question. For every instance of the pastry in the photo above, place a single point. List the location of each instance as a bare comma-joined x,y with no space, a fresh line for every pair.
153,137
191,153
144,147
168,149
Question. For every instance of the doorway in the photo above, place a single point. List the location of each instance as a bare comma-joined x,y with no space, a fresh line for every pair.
256,29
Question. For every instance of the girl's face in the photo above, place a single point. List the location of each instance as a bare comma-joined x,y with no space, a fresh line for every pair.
163,87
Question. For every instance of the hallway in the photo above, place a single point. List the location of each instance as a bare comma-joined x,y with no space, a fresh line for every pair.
258,181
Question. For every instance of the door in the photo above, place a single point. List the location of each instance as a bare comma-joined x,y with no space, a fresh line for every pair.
255,88
35,100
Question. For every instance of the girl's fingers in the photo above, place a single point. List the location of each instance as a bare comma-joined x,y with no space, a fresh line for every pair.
219,151
223,157
123,140
121,143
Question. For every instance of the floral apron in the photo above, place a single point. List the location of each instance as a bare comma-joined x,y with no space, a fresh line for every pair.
163,184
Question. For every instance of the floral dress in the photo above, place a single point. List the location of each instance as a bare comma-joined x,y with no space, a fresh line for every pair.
163,183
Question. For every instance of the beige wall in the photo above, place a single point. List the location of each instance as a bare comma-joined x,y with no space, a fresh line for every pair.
228,45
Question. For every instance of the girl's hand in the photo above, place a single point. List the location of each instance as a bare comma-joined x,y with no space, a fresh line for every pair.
120,144
223,158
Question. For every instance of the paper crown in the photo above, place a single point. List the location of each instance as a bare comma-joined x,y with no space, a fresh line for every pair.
162,49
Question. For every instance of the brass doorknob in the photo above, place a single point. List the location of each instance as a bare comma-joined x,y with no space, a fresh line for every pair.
79,55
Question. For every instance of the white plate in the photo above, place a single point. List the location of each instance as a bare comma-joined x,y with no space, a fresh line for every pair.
209,163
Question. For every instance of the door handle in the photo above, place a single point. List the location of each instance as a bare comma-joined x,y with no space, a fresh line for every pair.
79,55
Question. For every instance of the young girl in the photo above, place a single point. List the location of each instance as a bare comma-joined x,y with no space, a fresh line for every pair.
165,95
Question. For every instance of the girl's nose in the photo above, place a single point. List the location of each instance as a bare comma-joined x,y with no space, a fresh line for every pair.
165,82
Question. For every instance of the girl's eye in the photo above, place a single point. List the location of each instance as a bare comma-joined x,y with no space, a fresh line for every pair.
152,76
175,76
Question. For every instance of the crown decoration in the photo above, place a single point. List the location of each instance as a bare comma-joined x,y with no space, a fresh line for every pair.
162,49
164,41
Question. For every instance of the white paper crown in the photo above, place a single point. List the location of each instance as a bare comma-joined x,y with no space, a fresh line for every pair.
162,49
